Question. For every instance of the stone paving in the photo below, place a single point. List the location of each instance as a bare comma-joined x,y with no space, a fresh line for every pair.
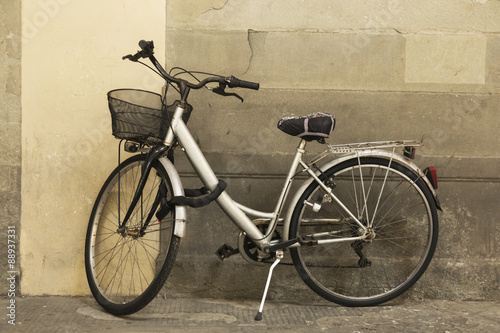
82,314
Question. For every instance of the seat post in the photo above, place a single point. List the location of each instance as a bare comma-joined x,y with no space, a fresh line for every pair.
302,146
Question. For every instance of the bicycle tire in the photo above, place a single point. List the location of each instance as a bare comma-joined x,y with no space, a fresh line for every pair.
405,225
126,270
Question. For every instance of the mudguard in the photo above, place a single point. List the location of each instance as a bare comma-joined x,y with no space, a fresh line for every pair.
180,211
363,153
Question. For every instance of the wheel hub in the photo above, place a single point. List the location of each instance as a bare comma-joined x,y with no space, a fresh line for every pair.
134,233
370,235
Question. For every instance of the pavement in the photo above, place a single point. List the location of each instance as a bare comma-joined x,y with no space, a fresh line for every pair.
82,314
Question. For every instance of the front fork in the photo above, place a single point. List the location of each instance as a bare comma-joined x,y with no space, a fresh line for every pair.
152,155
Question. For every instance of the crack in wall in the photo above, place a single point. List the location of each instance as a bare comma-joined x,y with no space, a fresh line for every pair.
188,11
256,41
214,8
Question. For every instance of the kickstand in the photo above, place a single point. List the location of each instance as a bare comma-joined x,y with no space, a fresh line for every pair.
279,256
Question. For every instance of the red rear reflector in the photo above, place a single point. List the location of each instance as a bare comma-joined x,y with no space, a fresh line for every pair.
431,174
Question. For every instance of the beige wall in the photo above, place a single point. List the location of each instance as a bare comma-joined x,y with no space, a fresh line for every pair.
71,57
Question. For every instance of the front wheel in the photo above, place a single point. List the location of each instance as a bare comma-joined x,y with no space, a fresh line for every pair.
399,212
127,265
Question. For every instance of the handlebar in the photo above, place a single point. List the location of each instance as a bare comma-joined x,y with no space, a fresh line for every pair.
147,51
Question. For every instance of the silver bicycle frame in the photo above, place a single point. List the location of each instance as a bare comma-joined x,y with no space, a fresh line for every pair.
235,211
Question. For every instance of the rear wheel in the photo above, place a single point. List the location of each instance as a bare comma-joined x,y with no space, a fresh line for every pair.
398,209
127,267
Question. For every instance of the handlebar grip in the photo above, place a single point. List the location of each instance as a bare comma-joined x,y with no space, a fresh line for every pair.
143,44
146,48
235,83
250,85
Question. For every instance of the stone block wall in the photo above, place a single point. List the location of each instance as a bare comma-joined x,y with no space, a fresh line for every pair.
10,139
387,70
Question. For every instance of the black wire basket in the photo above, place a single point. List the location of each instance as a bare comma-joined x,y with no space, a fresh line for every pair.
141,116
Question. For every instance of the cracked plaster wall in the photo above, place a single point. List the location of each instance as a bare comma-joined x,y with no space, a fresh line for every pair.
387,70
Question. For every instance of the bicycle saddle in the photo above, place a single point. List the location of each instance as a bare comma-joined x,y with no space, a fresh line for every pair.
316,126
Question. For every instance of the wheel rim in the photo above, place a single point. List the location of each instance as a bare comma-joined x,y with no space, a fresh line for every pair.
125,263
400,219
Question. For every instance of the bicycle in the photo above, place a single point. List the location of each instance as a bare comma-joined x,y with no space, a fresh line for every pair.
361,230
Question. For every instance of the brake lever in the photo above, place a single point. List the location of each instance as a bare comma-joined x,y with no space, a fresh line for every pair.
130,57
221,90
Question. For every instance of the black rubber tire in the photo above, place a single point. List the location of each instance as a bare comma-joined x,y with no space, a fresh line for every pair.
335,271
153,253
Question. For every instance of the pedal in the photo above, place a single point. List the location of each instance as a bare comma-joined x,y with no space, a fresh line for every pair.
225,251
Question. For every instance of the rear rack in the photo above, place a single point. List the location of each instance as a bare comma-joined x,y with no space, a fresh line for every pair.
350,148
353,147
